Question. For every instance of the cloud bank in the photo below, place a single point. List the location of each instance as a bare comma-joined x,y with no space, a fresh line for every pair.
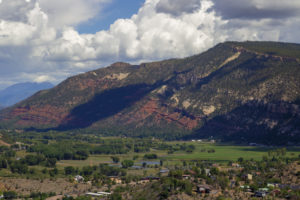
39,40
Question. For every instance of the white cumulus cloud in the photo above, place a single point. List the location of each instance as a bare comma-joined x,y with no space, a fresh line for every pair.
39,40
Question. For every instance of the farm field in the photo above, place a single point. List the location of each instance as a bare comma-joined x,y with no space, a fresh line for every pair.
223,154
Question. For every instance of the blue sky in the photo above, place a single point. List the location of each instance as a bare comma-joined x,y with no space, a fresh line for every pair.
111,12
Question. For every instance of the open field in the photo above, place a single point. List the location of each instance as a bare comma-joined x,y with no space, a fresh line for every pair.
225,153
222,154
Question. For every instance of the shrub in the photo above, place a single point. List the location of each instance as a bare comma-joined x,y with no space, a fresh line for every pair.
127,163
150,156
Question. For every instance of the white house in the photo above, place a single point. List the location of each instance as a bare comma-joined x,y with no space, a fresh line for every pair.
79,178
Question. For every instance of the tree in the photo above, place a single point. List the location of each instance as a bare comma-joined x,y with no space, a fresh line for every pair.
144,164
34,159
10,195
3,163
18,167
51,162
10,153
135,157
214,171
223,182
190,148
69,170
127,163
240,160
87,170
161,163
115,159
53,172
176,174
116,196
150,156
187,187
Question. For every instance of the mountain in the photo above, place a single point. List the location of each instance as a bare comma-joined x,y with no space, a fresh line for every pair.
236,91
21,91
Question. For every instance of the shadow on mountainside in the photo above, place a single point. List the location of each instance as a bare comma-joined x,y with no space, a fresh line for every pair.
252,122
104,105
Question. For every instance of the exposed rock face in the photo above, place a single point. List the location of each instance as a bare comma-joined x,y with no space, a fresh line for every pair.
233,91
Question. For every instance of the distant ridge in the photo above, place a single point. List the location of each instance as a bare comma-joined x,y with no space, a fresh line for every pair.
18,92
236,91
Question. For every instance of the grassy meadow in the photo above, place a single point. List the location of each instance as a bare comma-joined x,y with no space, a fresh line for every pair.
222,154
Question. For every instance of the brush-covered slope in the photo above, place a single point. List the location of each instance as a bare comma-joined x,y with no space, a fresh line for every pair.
241,91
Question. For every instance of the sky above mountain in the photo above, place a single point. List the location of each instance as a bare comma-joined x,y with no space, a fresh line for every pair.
43,40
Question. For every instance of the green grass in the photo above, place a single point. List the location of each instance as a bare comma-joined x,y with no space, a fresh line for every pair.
98,159
223,153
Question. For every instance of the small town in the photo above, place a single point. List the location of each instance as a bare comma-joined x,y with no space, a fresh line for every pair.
149,100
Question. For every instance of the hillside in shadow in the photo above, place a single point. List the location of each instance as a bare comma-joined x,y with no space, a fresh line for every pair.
254,122
104,105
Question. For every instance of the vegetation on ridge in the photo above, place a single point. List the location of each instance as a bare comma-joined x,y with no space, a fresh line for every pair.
233,91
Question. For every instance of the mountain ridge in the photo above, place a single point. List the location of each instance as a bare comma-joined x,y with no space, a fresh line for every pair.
20,91
178,97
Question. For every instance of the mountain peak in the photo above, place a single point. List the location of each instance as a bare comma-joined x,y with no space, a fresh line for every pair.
234,91
120,64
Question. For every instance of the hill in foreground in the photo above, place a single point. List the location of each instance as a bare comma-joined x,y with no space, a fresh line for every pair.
235,91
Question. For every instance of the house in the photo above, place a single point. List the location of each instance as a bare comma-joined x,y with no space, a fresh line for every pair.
248,177
276,192
207,172
104,193
186,176
215,165
236,165
79,178
260,194
204,189
246,188
271,185
192,172
148,179
263,189
93,194
164,171
98,194
115,179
